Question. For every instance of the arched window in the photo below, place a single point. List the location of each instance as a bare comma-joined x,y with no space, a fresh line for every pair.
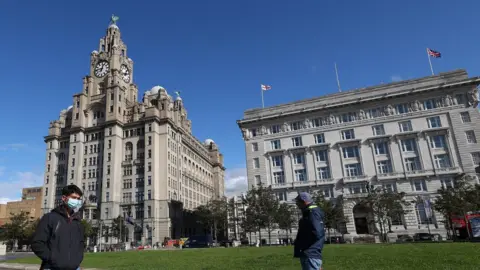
424,214
128,151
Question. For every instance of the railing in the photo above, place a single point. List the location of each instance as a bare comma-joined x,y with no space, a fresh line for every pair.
356,178
390,175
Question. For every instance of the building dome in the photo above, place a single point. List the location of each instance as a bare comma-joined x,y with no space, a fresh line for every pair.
113,26
69,108
179,98
208,141
147,93
94,52
156,89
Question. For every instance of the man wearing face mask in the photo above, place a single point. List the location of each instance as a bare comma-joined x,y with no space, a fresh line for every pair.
59,237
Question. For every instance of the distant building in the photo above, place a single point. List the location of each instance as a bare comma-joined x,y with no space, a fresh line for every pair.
31,202
132,159
413,136
236,214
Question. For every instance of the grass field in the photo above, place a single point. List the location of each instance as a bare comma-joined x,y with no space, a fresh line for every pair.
336,257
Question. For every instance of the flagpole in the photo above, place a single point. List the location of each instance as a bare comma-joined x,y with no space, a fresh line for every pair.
338,81
430,62
263,103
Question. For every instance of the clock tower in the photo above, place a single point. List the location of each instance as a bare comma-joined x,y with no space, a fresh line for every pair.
108,89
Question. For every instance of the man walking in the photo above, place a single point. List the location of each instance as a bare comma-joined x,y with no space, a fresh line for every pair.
59,237
311,234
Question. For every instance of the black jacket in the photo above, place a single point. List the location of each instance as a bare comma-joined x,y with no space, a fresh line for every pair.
311,233
59,240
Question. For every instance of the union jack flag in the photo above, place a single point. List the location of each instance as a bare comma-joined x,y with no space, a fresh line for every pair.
433,53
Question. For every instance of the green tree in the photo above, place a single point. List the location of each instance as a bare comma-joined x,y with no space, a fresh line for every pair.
118,228
385,205
19,228
285,217
88,229
334,217
213,216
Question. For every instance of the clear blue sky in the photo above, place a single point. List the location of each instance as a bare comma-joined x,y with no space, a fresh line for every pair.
217,53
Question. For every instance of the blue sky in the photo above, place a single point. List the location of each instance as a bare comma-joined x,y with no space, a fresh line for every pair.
217,53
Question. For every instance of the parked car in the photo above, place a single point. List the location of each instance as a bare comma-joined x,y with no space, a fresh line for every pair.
335,240
203,241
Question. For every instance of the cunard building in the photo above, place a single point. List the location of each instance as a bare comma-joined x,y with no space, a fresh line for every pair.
132,159
411,136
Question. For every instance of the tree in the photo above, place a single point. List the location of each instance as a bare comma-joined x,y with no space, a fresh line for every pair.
19,228
88,229
118,228
213,216
385,205
334,216
285,217
458,200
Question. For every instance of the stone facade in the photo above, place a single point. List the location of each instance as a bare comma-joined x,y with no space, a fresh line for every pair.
131,158
31,202
413,136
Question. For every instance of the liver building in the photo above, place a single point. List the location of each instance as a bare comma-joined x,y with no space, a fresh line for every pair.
137,160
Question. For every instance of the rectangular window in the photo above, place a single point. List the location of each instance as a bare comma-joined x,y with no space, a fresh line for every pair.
149,194
412,164
348,117
402,108
279,177
277,161
107,196
378,130
297,141
256,163
476,158
149,140
348,134
353,169
317,122
319,138
258,180
419,185
429,104
390,187
109,144
470,134
298,158
253,132
301,175
465,117
296,125
384,166
442,161
321,156
350,152
275,129
405,126
149,180
323,173
438,142
447,183
409,145
381,148
276,145
434,122
254,147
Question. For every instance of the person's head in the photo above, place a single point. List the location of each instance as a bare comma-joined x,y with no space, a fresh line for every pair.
303,200
71,196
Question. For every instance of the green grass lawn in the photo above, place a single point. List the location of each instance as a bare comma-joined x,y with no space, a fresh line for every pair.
336,257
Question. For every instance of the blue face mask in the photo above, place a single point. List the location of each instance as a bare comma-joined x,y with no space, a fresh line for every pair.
74,204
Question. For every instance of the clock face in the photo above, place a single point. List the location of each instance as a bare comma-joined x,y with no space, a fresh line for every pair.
125,73
101,69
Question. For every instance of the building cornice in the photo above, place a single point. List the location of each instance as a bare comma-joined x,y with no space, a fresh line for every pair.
395,90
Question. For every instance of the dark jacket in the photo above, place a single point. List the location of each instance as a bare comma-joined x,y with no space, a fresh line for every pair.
59,240
311,233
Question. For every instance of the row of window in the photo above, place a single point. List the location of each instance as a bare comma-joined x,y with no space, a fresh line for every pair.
354,116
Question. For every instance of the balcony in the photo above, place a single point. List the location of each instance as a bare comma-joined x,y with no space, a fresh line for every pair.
355,179
97,98
389,176
355,196
449,170
138,161
126,162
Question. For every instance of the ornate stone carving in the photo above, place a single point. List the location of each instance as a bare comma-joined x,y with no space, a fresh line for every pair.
473,97
389,110
244,133
286,127
448,100
331,119
361,115
415,105
263,130
308,123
